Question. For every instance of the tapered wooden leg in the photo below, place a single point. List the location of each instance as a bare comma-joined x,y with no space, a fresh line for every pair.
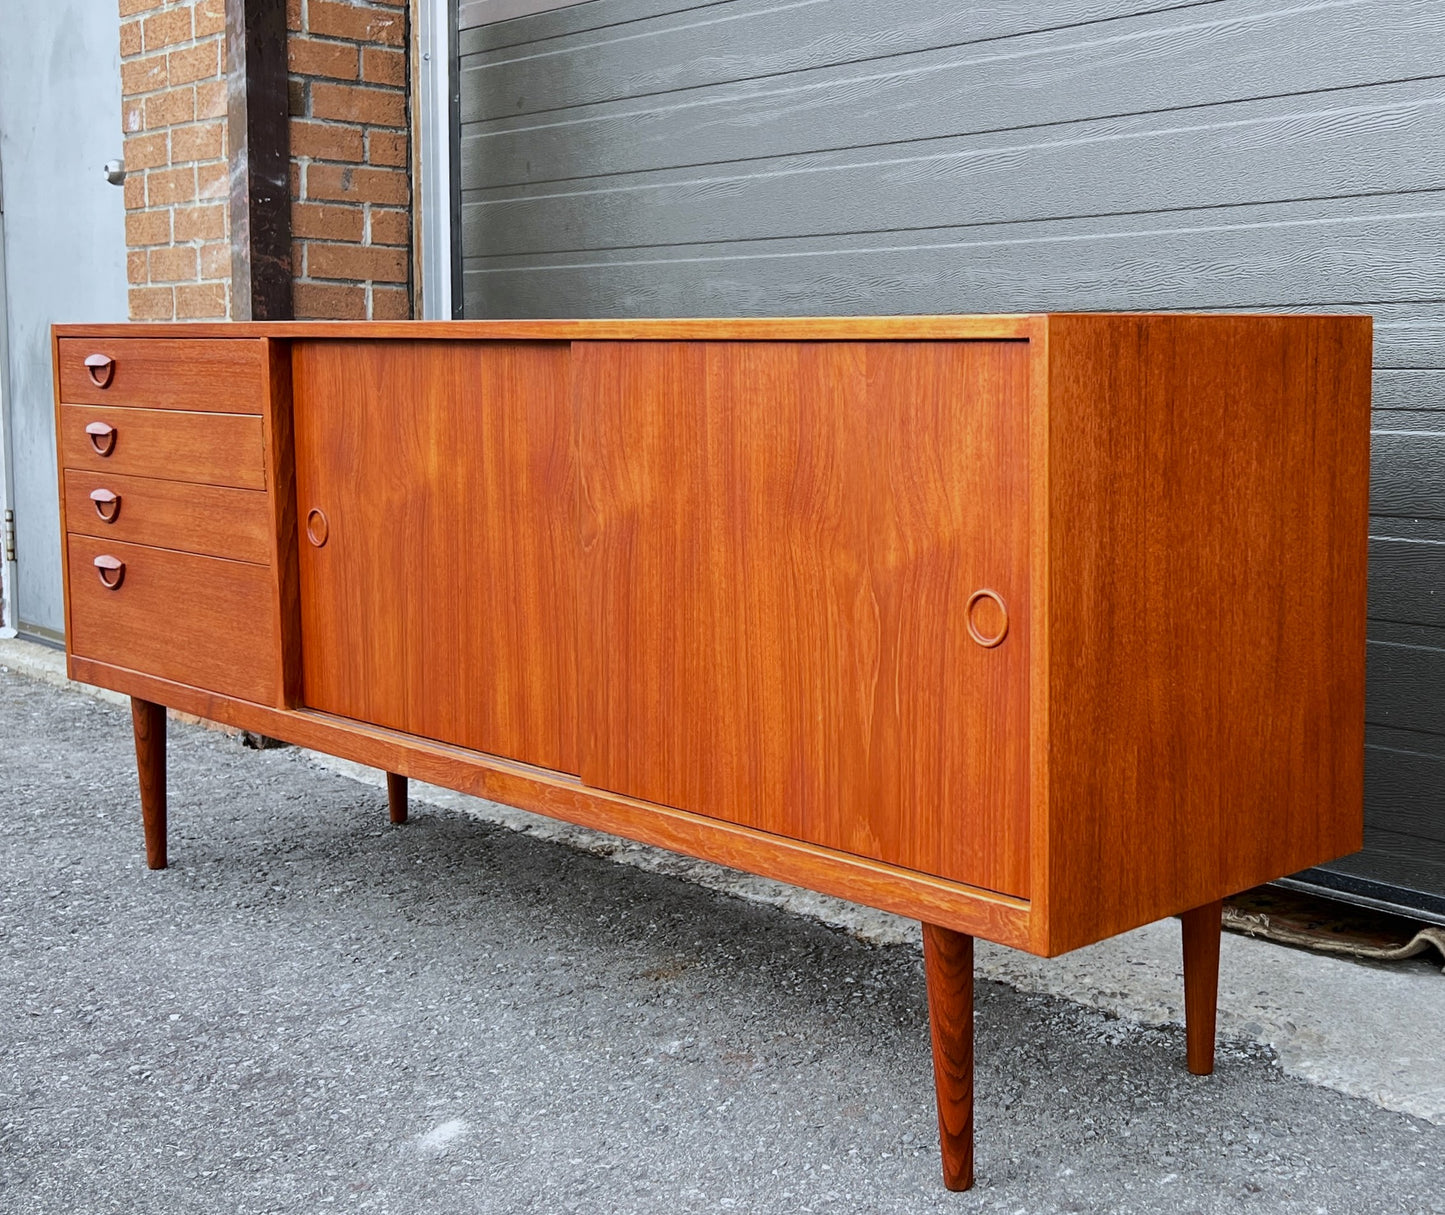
948,965
1201,983
149,721
396,796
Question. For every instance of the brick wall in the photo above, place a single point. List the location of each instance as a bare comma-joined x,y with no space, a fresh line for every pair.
350,185
350,156
173,107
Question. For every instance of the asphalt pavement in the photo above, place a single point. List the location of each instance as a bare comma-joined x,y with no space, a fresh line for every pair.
313,1010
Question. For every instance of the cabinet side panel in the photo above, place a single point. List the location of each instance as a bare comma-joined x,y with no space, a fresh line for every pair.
1207,549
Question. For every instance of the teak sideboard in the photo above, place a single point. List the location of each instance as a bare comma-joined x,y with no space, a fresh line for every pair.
1032,628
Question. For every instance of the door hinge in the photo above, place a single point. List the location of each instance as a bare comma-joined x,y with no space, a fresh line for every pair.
9,535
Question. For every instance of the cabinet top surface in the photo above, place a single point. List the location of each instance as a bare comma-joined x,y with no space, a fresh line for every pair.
1020,326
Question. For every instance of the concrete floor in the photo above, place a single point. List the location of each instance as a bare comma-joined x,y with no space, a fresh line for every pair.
311,1009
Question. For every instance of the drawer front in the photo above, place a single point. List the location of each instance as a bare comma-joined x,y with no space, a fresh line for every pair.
201,621
209,448
218,375
211,519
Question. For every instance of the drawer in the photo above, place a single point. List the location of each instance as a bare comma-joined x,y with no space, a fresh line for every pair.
211,519
210,448
201,621
213,375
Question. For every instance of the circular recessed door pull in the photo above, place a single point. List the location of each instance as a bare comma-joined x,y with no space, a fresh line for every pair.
107,504
317,527
988,642
101,436
100,368
111,571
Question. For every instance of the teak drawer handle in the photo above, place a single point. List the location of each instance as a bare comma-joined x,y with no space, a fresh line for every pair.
318,527
100,368
110,570
106,500
101,436
987,642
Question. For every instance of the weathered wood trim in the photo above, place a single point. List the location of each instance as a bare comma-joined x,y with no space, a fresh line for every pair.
258,116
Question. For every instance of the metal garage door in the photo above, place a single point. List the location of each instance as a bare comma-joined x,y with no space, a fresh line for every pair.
652,157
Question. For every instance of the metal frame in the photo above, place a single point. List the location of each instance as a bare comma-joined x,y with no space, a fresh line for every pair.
437,117
9,580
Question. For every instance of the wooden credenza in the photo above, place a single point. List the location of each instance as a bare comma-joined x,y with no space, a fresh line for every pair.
1033,628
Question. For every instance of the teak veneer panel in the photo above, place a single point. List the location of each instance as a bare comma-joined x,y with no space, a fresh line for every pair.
171,444
443,601
1208,512
219,375
210,519
194,620
780,541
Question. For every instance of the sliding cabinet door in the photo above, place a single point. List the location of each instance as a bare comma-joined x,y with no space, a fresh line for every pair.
781,543
436,500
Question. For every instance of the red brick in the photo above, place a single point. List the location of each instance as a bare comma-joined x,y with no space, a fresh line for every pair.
170,186
136,270
312,57
134,191
356,21
176,264
146,152
213,181
210,17
326,141
201,301
382,66
328,223
200,223
359,263
169,108
387,148
293,14
147,228
168,28
201,62
152,304
211,99
328,301
203,141
295,176
129,8
390,227
143,75
390,304
216,260
132,115
130,39
352,103
339,183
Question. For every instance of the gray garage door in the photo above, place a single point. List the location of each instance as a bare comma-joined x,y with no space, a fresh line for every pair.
652,157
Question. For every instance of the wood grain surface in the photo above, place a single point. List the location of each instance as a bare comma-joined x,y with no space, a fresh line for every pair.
221,375
1200,932
918,896
1207,558
210,519
148,722
174,445
780,542
195,620
948,967
444,601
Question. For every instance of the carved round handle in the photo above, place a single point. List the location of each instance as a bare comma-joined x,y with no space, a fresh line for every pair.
111,571
107,504
318,529
101,436
100,368
973,601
